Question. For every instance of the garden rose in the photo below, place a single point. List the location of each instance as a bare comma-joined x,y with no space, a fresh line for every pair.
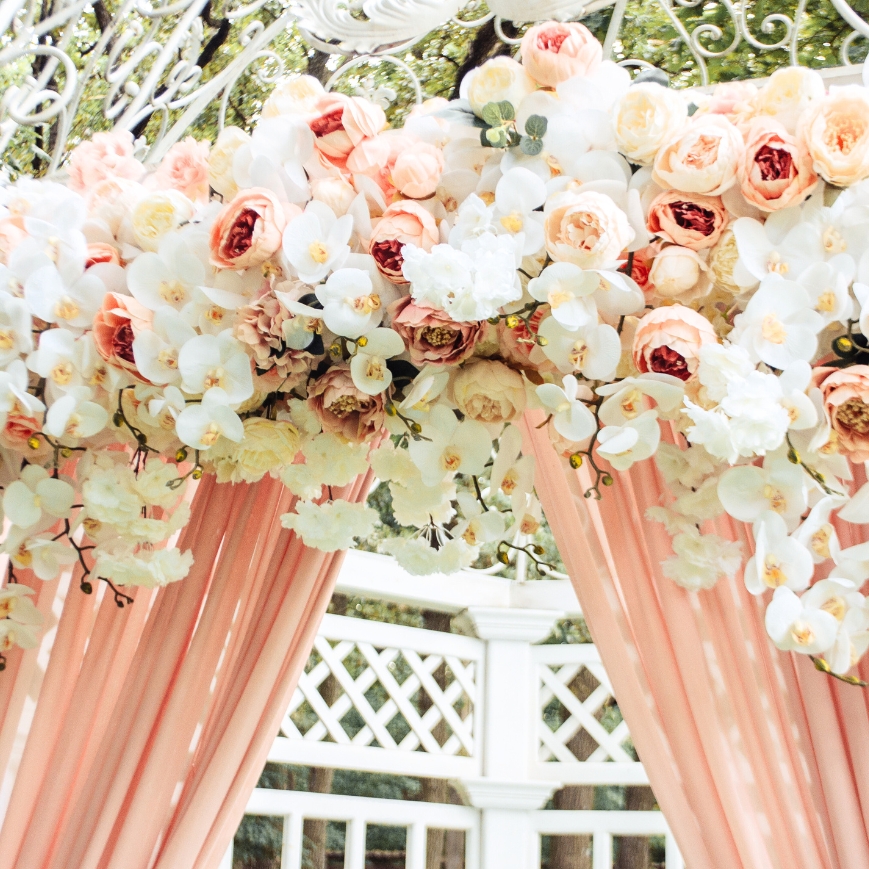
679,273
835,130
788,93
690,221
846,405
402,223
248,230
556,51
268,447
500,79
116,324
105,155
416,171
100,252
340,123
431,336
646,117
668,341
185,168
156,214
489,391
587,229
702,158
335,192
723,259
343,409
220,174
294,95
775,171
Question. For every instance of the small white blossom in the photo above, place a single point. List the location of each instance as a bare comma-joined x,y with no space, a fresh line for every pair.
330,526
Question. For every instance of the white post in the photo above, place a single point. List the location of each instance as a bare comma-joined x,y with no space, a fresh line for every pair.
291,845
415,849
602,850
354,844
506,793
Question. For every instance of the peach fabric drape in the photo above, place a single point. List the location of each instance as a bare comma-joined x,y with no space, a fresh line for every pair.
757,760
137,744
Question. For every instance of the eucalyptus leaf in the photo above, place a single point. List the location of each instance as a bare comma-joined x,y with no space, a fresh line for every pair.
531,147
491,114
536,126
508,113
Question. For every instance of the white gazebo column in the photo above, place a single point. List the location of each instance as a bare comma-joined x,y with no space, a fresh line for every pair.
506,791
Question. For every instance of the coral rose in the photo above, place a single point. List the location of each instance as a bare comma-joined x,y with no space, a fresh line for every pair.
185,168
340,123
556,51
101,252
402,223
431,336
587,229
248,230
116,324
775,170
668,341
343,409
417,170
105,155
489,391
836,132
500,79
690,221
846,405
646,117
702,158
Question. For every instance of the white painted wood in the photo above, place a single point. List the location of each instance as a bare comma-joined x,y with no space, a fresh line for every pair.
354,844
602,850
291,844
415,849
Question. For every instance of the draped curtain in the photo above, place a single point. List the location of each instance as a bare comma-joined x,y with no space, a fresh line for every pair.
757,760
136,742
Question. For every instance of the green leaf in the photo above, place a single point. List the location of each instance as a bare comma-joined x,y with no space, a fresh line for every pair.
508,113
491,114
495,137
536,126
531,147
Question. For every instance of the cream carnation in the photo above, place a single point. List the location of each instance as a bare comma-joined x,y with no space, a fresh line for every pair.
331,526
268,446
489,391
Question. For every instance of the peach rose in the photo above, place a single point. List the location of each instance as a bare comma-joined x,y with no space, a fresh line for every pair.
342,409
836,132
587,229
248,230
100,252
846,405
679,273
489,391
19,428
668,341
431,336
690,221
294,95
185,168
402,223
556,51
642,263
646,117
734,99
788,93
11,235
116,324
775,170
106,155
417,170
341,123
702,158
337,193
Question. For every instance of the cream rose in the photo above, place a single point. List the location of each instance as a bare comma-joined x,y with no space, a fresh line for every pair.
679,273
268,447
646,117
788,93
220,175
337,193
556,51
702,158
489,391
500,79
294,95
587,229
775,170
836,132
158,213
723,259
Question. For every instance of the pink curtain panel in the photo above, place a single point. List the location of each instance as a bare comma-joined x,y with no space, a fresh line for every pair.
139,743
757,760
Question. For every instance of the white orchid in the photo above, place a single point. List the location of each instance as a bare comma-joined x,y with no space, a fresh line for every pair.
796,627
75,416
200,425
748,491
779,559
216,361
450,446
351,303
315,243
16,335
593,350
479,526
169,276
634,440
517,196
827,288
779,324
567,289
72,305
628,398
13,633
58,358
512,473
37,552
368,365
817,533
617,294
36,492
15,604
571,418
13,391
156,350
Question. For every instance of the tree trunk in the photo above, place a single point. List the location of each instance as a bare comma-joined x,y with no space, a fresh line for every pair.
574,852
634,850
317,66
487,44
320,780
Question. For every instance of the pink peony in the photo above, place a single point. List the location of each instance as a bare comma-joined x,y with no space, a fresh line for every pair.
554,52
341,123
106,155
185,168
668,341
846,405
431,336
342,409
249,229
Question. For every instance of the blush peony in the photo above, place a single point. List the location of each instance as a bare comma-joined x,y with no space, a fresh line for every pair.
668,341
402,223
846,405
431,336
556,51
343,409
690,221
248,230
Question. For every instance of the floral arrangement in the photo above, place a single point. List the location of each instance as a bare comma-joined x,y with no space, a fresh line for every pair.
677,275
